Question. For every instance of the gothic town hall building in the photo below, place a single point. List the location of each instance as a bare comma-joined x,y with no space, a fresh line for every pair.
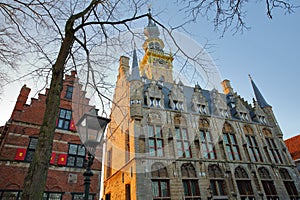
167,140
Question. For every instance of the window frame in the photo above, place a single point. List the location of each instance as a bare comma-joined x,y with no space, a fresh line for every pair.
76,156
231,146
31,149
183,141
207,143
155,135
64,119
69,92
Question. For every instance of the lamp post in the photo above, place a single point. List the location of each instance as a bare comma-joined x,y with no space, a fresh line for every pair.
91,129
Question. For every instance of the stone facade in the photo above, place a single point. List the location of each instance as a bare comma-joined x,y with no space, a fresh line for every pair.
171,141
19,136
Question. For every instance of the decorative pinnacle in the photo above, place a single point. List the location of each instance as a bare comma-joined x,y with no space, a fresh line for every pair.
250,76
149,8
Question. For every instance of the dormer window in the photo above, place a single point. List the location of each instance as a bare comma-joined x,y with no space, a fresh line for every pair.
131,102
262,119
178,105
244,116
151,102
138,101
224,113
201,109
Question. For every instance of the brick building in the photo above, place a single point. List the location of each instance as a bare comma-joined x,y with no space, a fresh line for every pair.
167,140
19,138
293,145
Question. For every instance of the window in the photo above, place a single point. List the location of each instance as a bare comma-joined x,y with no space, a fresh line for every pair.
64,119
107,196
182,143
80,196
201,109
10,194
289,184
244,184
16,195
231,146
127,192
207,145
272,146
155,102
244,116
76,155
109,163
127,146
69,92
190,182
217,183
52,196
178,105
160,182
252,144
155,141
31,149
268,184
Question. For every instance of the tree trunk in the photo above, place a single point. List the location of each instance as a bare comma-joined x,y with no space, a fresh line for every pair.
35,180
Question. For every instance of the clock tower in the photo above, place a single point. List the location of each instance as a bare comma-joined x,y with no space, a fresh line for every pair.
156,64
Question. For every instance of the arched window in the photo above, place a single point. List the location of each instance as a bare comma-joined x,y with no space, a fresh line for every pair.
289,184
254,151
217,182
190,182
230,142
243,183
268,184
207,144
160,182
182,138
272,146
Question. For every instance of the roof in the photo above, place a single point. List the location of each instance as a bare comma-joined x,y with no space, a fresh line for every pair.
259,97
293,144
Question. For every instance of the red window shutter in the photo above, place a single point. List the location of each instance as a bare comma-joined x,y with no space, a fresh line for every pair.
72,126
62,159
53,155
20,154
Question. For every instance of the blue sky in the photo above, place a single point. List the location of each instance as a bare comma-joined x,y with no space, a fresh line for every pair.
269,51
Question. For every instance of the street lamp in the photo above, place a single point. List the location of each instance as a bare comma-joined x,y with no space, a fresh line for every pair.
91,129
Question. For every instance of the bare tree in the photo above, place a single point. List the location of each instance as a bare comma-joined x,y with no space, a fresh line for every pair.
229,15
61,35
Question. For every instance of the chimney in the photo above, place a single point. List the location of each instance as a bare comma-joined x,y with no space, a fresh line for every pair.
124,66
227,87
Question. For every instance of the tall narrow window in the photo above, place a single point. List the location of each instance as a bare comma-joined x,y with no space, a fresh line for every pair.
64,119
182,143
127,146
268,184
160,182
127,192
272,146
156,142
76,155
217,182
207,144
289,184
109,163
244,184
69,92
230,142
31,149
253,145
190,182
